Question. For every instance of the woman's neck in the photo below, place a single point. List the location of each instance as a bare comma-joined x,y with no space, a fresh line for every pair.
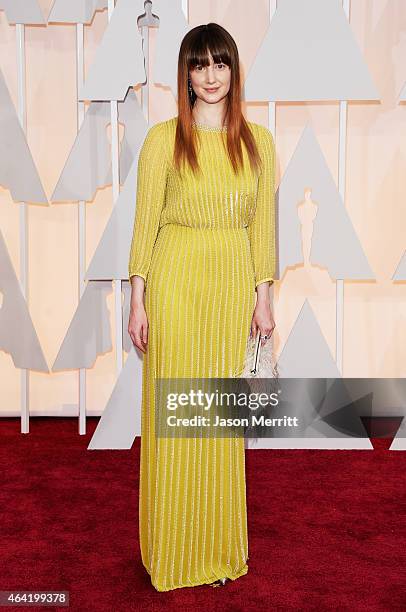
211,116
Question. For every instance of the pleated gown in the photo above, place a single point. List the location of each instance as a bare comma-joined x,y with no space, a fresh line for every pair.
202,243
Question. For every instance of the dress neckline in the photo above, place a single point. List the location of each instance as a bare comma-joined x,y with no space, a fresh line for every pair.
208,128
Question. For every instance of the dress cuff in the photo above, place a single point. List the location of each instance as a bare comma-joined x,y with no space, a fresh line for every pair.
137,274
263,280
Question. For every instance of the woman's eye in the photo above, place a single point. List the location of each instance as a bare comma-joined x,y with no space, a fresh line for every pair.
220,66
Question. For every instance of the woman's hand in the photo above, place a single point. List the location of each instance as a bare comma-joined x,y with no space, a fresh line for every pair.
138,321
138,327
262,319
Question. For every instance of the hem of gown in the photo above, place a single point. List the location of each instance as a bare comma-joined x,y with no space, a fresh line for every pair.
162,589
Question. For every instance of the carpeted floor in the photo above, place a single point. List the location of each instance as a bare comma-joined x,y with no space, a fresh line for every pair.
327,529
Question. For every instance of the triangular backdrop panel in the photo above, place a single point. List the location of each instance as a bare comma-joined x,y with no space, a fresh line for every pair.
18,173
121,418
88,166
75,11
172,28
89,333
18,337
400,272
335,245
110,259
309,53
399,441
306,355
119,60
386,396
130,114
23,11
88,162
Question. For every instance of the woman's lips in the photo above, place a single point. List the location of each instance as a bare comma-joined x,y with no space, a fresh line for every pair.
212,89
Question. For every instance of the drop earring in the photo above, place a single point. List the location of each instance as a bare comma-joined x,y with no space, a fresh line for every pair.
190,90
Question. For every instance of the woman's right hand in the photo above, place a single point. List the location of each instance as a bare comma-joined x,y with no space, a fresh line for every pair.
138,326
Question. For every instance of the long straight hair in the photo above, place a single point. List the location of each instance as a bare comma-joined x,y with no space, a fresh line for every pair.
194,50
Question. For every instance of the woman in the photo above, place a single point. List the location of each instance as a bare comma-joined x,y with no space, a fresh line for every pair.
203,250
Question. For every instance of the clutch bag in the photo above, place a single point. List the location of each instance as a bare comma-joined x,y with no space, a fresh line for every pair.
261,371
260,360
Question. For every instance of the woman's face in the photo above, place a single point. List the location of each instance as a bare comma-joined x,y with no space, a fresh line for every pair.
211,83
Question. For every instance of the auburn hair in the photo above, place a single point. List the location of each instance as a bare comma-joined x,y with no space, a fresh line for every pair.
194,50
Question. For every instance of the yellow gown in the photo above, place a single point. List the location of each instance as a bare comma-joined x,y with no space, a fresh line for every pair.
202,243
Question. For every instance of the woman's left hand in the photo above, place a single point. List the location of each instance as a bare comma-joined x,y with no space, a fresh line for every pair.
262,320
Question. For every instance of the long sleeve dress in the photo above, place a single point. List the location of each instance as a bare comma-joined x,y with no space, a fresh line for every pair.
202,243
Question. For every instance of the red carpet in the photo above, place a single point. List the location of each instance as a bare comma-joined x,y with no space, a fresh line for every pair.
326,528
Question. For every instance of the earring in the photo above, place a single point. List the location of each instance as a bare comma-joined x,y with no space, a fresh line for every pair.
190,89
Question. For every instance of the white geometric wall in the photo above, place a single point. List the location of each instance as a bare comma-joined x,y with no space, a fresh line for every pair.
304,62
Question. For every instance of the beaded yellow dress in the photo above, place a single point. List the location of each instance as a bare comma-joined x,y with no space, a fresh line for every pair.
202,243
